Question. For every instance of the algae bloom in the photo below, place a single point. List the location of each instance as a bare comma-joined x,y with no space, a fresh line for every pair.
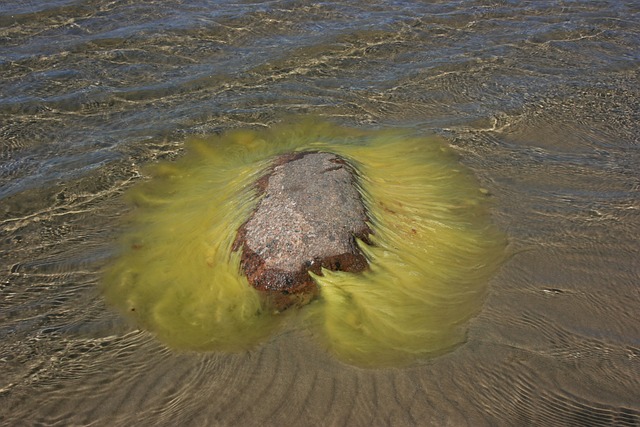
432,252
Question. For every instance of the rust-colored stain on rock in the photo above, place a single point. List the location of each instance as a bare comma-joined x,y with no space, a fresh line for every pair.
308,218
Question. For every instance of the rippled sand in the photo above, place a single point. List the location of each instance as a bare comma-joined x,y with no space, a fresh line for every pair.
538,99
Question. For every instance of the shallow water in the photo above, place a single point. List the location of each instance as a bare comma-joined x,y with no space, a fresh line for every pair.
539,99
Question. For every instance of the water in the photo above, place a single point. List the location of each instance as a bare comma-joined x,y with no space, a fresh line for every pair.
539,99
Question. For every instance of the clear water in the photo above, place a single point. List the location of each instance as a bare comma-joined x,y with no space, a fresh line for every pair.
539,99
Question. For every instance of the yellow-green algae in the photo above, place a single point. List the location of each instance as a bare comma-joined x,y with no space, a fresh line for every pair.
434,247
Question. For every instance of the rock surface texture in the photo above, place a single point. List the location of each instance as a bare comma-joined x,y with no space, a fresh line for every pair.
309,217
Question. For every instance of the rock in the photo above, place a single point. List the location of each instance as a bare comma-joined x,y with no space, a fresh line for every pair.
309,217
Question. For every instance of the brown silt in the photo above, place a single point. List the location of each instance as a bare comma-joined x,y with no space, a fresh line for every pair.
308,218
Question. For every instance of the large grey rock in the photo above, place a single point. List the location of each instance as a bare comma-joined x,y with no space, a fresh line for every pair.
308,218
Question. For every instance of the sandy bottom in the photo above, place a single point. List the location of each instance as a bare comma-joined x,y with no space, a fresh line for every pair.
554,338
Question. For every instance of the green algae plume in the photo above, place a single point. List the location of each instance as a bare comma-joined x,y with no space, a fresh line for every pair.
433,247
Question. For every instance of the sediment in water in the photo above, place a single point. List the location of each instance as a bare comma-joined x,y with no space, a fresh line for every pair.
431,253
